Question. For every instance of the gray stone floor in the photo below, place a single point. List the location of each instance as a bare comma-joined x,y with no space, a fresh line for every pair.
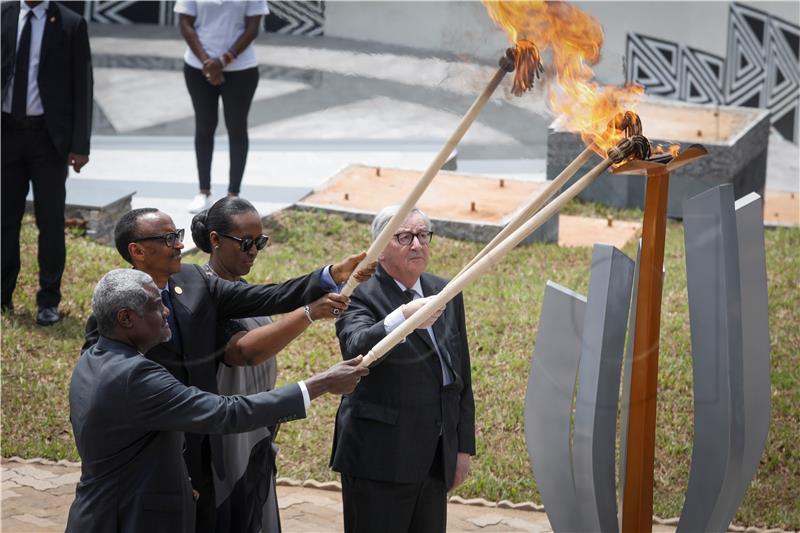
322,103
36,496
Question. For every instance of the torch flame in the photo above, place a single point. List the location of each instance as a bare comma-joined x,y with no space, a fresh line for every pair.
574,39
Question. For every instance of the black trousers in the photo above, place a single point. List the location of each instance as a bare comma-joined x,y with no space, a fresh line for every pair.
237,94
29,156
370,506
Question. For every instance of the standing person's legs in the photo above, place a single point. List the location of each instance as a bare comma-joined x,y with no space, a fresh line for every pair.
237,95
430,512
205,100
13,190
370,506
48,171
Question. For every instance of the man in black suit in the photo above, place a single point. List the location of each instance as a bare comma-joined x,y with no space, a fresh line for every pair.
404,437
128,414
46,124
201,304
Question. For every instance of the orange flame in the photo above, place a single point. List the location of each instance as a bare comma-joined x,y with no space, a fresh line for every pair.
574,39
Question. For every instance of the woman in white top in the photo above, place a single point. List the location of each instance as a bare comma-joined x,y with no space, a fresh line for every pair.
220,61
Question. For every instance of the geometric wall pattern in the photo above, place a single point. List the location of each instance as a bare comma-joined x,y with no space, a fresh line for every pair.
761,68
295,18
287,18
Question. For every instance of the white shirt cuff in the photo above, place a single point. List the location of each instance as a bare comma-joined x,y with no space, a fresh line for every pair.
393,320
306,397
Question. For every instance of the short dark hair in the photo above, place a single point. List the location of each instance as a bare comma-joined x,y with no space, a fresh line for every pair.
126,230
218,218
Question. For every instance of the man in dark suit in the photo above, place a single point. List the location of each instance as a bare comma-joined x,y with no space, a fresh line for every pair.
201,304
405,436
46,124
128,414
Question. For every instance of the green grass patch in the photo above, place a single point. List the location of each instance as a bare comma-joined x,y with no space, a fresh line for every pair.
502,315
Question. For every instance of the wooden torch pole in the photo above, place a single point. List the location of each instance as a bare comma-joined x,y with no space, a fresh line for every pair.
534,205
458,284
637,508
386,234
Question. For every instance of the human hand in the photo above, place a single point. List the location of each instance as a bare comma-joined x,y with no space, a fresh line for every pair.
341,271
462,469
212,70
329,306
341,378
412,307
77,161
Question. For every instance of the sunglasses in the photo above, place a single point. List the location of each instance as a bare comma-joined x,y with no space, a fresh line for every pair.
245,244
169,238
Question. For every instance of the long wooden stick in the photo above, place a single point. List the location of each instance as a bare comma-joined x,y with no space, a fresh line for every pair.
458,284
534,205
388,231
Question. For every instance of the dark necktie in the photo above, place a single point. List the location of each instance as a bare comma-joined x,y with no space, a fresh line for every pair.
173,325
19,102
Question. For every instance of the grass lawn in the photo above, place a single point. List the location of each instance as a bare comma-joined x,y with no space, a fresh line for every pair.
502,314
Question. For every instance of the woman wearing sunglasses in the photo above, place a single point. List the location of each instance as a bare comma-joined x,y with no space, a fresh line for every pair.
231,231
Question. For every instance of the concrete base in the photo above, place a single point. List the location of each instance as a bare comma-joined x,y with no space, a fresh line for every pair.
471,208
736,139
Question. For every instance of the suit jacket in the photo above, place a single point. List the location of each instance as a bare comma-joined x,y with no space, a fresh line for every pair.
65,74
202,304
388,429
128,415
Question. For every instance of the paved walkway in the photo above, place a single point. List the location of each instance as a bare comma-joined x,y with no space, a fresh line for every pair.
36,497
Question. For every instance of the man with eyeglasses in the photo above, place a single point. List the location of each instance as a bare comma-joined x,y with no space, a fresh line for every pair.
404,437
200,306
128,415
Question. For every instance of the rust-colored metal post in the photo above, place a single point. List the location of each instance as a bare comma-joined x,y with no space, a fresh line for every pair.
637,509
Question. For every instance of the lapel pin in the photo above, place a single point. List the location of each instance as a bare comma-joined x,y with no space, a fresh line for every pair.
52,19
178,290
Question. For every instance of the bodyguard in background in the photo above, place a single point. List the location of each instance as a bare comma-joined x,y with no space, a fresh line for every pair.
46,124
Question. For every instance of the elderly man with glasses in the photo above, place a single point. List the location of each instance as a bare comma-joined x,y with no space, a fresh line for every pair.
404,437
200,306
128,414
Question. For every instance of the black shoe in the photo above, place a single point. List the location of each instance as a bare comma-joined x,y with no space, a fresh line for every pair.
47,316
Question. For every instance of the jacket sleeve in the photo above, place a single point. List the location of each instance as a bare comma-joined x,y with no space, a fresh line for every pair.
359,329
466,411
159,402
82,90
90,333
241,300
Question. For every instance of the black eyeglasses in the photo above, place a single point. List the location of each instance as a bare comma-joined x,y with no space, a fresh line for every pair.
169,238
406,237
248,242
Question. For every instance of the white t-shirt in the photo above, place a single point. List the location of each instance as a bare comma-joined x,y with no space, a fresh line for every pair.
219,24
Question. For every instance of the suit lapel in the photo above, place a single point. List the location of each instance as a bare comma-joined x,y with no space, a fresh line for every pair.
10,32
52,24
396,298
439,327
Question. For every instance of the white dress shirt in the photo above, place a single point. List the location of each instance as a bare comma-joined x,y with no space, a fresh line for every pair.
38,21
395,318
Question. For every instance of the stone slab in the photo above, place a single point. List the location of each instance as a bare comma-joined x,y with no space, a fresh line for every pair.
360,192
737,155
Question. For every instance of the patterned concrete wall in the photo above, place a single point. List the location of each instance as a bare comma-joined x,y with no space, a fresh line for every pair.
285,17
761,67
